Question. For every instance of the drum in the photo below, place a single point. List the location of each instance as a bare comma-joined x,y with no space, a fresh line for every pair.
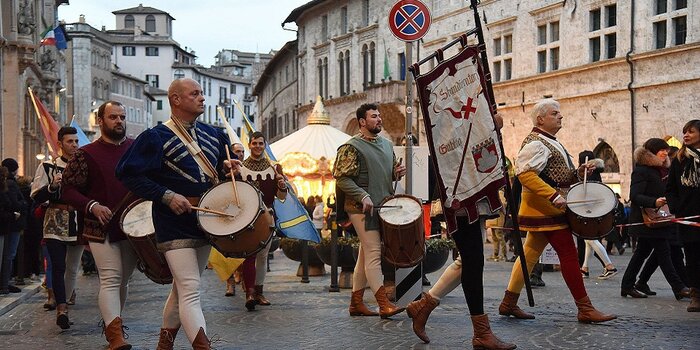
591,209
137,223
247,231
401,218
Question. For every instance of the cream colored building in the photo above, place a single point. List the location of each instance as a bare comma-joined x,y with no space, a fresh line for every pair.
624,71
23,64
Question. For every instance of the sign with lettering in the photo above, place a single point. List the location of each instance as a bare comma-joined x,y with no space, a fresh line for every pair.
409,20
462,136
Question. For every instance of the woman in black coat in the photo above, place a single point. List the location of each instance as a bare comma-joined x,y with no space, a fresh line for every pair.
648,190
683,194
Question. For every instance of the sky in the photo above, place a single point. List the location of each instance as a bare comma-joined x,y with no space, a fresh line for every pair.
206,26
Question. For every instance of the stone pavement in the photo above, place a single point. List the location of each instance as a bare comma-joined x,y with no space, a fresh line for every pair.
307,316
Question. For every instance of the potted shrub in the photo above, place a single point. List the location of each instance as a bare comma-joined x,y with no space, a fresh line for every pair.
346,259
437,250
292,249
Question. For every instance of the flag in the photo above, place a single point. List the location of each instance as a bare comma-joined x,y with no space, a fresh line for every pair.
223,266
387,69
82,138
55,36
291,218
232,137
48,37
49,127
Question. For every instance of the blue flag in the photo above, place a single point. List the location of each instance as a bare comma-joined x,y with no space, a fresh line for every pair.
60,36
293,220
82,138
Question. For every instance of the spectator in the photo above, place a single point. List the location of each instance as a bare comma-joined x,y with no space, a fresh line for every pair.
15,228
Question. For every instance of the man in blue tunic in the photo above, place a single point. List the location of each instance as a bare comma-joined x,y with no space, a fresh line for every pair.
161,167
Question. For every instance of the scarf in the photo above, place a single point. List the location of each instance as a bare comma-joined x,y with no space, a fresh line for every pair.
691,171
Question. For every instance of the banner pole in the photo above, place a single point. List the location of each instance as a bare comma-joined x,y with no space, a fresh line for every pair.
408,189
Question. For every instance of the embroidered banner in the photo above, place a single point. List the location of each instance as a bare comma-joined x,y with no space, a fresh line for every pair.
462,136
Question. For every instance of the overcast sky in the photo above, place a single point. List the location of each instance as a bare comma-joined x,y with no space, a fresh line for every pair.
206,26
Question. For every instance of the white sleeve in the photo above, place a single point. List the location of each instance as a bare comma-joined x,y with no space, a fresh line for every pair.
41,179
532,156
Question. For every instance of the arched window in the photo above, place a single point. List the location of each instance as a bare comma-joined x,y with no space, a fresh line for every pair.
365,66
106,91
371,62
325,77
607,154
129,21
347,71
341,75
179,74
150,24
320,77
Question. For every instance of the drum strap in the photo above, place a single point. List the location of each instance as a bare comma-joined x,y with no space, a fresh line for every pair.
193,148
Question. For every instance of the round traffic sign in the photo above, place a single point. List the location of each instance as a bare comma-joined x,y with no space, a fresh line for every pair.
409,20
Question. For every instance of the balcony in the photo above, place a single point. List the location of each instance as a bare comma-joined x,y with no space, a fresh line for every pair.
248,98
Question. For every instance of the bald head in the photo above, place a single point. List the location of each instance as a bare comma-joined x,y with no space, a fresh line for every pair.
186,99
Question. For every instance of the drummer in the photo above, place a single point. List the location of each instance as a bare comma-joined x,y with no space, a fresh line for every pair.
159,167
546,170
366,156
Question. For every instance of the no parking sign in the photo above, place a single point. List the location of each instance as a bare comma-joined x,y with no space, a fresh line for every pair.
409,20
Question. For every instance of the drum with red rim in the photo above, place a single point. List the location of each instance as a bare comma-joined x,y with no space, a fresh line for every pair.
137,223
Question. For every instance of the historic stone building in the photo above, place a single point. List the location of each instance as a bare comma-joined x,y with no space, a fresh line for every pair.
23,64
624,71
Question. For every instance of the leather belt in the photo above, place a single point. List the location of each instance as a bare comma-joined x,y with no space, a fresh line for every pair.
61,206
193,200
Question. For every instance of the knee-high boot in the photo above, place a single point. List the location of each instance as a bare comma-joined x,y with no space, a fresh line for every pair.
509,307
166,341
419,311
588,314
483,337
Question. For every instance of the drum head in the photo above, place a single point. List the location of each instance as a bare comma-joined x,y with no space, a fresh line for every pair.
597,200
137,220
221,198
407,210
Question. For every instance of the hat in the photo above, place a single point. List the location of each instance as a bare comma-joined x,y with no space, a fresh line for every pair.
654,145
10,164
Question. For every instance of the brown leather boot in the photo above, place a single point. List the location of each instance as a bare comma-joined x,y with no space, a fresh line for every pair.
419,311
483,337
509,307
588,314
694,305
358,306
259,297
50,303
166,341
386,307
250,299
200,341
62,316
115,335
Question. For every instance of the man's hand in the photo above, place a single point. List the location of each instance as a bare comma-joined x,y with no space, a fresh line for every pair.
660,202
56,183
102,213
179,204
498,121
586,168
367,206
234,164
560,203
400,169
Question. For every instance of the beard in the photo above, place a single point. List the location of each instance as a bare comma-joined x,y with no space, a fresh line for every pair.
375,130
114,134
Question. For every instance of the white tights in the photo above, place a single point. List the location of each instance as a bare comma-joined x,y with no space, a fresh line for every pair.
261,264
183,306
368,267
115,263
594,244
448,281
73,255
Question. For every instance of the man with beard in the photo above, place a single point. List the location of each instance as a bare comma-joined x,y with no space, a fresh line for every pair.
366,156
163,167
60,224
91,187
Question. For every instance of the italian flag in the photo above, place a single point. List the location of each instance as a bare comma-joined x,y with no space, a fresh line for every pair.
48,37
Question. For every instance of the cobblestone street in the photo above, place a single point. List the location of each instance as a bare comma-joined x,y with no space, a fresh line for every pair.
306,316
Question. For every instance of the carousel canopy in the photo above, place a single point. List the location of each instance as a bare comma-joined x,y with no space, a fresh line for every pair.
314,142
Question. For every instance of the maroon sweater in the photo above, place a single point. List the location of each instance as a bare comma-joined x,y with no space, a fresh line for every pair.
89,176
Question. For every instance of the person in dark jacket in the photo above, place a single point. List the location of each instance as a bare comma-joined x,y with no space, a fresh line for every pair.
683,195
7,214
648,190
15,228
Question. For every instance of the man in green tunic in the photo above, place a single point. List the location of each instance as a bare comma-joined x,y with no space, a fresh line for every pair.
367,156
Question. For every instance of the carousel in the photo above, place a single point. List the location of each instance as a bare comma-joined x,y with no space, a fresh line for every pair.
307,155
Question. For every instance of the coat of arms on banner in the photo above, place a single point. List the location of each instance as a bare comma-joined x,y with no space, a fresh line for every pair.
462,136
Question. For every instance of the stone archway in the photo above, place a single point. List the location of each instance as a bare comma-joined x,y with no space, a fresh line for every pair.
392,118
605,152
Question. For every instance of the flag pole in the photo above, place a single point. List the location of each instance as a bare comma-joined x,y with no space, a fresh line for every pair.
42,121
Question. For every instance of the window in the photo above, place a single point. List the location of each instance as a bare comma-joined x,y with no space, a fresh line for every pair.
325,77
151,51
680,4
324,28
128,21
610,45
508,44
365,13
223,98
159,105
497,71
507,69
502,60
660,35
680,29
286,123
594,48
152,79
179,74
497,46
347,73
594,19
553,32
660,7
343,20
128,51
610,15
341,75
402,66
542,34
541,61
319,67
150,24
209,87
554,58
233,89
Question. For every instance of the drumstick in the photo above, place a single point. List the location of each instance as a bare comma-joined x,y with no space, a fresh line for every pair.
397,181
233,179
388,206
206,210
584,201
585,176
